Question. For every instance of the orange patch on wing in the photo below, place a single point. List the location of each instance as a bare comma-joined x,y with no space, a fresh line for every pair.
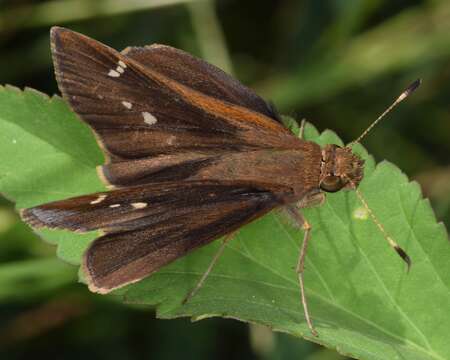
236,114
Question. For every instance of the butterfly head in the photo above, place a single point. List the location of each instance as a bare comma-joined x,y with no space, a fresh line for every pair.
340,169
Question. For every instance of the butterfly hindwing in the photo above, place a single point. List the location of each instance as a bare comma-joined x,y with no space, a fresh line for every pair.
149,226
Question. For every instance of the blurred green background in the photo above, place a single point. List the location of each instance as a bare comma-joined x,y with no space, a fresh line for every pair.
336,63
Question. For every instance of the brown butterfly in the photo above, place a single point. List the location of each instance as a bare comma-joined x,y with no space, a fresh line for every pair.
192,156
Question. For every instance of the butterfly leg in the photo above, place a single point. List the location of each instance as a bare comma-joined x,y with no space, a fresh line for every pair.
300,220
209,269
301,133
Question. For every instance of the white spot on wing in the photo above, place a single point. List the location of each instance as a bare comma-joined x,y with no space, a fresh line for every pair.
139,205
127,104
120,69
149,118
114,205
113,73
98,200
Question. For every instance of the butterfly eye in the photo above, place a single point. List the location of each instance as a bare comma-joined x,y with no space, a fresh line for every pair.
332,184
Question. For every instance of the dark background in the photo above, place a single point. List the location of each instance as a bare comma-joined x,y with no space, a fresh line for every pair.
338,64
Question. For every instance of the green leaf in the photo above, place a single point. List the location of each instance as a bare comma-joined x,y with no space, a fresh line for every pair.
363,302
47,154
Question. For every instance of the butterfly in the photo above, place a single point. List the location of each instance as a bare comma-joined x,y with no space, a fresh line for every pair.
191,154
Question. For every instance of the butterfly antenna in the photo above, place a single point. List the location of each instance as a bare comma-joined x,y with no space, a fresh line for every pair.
392,243
408,91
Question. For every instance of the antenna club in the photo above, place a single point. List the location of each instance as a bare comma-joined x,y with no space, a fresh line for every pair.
402,253
405,257
409,90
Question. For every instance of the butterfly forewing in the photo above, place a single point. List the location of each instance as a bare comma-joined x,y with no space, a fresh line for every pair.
149,226
139,112
199,75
